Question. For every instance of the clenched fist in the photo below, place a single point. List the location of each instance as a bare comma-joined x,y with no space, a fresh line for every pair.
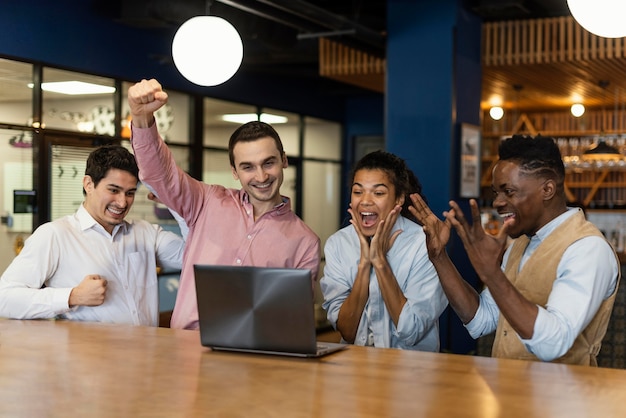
90,292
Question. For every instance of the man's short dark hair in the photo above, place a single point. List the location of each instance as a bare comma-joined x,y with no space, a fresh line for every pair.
252,131
538,156
106,157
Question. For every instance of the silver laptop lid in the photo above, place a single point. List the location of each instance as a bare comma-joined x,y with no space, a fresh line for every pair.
256,309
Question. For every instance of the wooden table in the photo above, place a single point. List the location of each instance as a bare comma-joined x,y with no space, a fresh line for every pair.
59,368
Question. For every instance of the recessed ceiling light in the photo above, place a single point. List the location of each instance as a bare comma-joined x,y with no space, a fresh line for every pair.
247,117
75,87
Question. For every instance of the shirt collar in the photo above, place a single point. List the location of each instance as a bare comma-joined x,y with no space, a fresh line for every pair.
87,221
554,223
283,207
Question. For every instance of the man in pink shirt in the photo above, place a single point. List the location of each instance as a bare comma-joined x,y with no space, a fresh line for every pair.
253,226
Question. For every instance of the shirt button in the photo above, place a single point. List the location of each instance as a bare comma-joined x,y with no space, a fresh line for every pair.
238,261
249,236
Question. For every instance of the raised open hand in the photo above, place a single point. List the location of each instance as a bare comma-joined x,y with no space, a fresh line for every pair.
437,231
484,250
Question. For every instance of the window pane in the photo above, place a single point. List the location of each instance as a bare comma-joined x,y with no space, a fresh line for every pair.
217,131
322,139
288,131
16,158
89,112
217,169
16,99
322,197
172,119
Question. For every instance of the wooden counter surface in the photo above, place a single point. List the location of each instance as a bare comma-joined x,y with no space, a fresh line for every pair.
59,368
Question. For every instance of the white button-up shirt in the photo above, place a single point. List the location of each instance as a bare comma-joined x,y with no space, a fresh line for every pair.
59,254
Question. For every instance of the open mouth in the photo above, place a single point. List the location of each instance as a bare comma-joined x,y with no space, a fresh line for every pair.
116,212
369,219
506,216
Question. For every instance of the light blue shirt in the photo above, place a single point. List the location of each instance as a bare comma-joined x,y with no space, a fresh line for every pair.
418,327
586,276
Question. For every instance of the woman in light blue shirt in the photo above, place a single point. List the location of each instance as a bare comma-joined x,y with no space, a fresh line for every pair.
380,289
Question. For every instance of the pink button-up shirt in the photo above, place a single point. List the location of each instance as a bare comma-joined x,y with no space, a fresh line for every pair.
222,229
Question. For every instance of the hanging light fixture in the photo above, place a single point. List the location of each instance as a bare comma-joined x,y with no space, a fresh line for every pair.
601,17
602,151
207,50
577,109
496,112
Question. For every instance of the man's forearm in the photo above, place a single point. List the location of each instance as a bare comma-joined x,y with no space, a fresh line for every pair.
461,295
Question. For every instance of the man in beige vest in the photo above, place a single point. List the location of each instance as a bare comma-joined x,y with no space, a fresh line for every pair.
550,294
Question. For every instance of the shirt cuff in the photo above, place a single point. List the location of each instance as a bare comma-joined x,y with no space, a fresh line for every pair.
61,300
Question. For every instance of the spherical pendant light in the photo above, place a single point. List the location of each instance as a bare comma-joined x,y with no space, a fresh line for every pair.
601,17
496,112
207,50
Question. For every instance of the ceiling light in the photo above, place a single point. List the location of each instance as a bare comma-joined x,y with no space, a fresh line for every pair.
496,112
75,87
601,17
207,50
247,117
577,109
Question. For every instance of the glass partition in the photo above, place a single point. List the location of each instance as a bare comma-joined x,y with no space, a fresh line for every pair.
217,130
322,139
322,197
288,127
93,112
16,160
78,102
16,98
172,119
217,169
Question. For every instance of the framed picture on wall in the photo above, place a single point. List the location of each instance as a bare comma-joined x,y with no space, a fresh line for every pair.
470,150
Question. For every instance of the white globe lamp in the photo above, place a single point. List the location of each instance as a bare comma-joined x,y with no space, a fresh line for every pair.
496,112
207,50
577,109
603,18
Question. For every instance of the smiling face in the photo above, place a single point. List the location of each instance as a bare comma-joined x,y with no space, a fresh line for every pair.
373,197
521,199
258,165
110,201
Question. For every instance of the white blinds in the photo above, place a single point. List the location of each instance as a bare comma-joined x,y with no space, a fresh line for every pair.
67,172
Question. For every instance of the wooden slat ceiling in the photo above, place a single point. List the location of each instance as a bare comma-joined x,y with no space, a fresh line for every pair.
544,87
532,66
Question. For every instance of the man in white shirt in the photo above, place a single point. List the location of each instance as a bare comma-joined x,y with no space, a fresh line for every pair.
93,265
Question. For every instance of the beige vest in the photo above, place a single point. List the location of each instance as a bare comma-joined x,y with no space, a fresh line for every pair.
535,281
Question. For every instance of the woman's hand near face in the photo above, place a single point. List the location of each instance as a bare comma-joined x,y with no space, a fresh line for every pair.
364,240
383,239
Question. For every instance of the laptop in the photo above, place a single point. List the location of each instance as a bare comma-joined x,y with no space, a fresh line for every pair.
258,310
